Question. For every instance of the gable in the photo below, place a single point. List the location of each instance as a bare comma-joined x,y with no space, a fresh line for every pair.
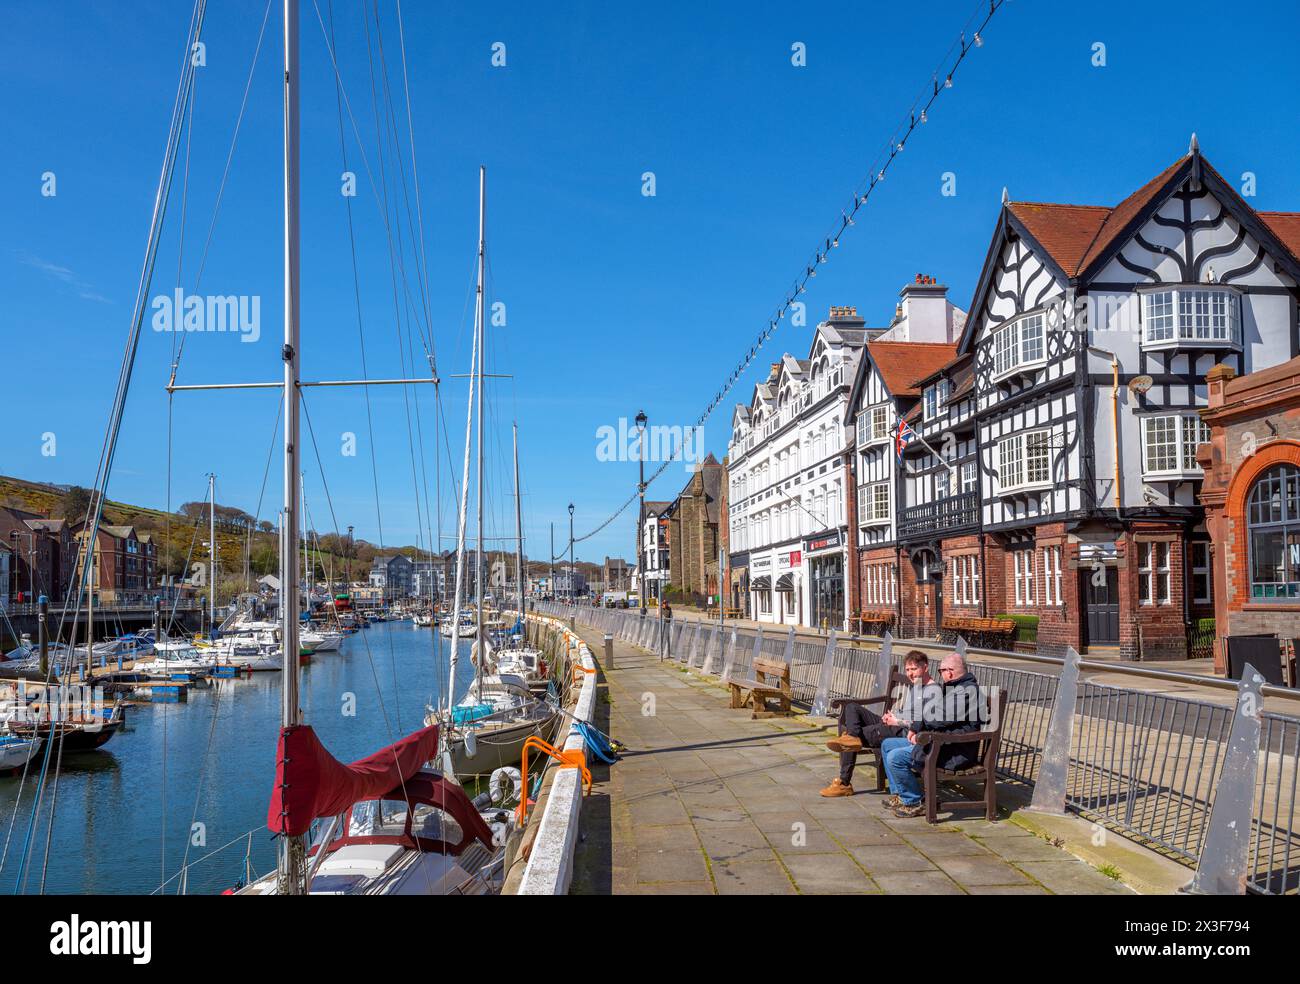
1196,235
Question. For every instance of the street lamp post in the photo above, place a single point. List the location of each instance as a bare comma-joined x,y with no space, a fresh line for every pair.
640,529
573,594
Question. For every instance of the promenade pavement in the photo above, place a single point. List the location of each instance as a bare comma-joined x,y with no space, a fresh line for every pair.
708,801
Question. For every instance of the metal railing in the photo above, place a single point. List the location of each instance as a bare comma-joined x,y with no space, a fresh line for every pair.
1146,764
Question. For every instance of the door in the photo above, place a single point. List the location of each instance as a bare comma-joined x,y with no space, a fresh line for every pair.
1101,621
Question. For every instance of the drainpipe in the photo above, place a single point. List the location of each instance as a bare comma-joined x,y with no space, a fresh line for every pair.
1114,415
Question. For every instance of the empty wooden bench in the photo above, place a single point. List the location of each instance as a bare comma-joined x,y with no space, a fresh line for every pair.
874,621
770,682
894,689
985,632
985,768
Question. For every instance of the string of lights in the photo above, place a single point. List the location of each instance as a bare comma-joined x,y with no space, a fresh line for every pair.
918,114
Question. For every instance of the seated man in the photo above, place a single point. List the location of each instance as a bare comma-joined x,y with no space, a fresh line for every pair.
868,729
960,711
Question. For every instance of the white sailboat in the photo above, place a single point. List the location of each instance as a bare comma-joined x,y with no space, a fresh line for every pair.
488,727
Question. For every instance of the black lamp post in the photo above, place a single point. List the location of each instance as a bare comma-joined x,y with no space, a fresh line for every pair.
573,594
640,529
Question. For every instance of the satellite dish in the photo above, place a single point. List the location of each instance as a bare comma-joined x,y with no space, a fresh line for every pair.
1140,384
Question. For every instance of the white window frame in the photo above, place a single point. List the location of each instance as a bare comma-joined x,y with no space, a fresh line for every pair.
1153,573
970,476
1020,345
873,504
1052,576
936,399
1191,314
1205,570
1179,436
1014,460
873,425
1023,564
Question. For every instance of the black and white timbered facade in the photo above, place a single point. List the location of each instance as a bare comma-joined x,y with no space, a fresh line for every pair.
1054,470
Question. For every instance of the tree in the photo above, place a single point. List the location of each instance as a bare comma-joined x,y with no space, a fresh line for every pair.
74,505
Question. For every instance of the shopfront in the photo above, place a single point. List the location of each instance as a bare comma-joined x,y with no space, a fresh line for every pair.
825,556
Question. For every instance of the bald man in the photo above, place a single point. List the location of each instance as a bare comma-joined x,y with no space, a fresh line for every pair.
960,711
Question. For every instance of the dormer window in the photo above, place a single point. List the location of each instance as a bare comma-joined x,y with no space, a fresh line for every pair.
936,398
1019,346
1176,316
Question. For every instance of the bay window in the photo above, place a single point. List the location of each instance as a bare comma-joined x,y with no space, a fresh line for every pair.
873,503
1019,345
873,425
1200,315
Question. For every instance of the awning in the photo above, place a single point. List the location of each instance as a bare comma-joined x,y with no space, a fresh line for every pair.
763,583
785,583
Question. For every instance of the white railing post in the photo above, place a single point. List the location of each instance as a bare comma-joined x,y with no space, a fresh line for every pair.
822,699
1054,764
1223,866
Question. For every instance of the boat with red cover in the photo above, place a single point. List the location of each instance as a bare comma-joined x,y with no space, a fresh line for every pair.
394,826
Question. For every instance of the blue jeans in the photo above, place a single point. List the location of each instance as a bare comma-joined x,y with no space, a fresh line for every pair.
897,755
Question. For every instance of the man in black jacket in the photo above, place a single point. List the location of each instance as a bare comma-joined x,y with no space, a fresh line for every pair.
960,711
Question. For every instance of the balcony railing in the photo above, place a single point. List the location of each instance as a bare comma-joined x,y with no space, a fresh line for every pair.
953,513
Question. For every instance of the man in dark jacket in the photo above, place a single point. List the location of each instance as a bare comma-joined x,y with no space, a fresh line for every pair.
960,711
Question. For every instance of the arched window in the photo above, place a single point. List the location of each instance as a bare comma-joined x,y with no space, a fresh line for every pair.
1273,523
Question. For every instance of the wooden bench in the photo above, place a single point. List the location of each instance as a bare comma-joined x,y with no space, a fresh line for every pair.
897,685
759,689
985,632
733,613
878,619
989,738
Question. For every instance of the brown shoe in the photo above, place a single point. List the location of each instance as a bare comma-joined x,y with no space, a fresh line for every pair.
891,801
845,743
906,812
838,788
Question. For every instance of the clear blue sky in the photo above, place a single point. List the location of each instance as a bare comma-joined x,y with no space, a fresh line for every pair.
615,301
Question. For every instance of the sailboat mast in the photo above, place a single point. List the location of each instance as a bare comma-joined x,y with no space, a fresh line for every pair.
292,857
482,330
519,527
212,552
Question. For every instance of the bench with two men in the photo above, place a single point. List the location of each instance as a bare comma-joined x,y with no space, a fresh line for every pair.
981,767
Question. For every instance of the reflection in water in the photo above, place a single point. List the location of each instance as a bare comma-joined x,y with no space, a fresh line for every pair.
181,781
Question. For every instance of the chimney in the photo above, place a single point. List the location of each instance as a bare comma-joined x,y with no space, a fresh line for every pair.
926,311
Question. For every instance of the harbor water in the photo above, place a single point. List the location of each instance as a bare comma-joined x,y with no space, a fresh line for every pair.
182,781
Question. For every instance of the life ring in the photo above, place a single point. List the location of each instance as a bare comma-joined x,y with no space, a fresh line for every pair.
506,786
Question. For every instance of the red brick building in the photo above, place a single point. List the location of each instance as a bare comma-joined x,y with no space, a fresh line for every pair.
1252,501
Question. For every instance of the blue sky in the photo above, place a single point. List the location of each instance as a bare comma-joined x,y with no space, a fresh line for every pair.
615,302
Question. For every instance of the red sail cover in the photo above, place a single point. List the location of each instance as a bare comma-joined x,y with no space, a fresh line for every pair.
312,783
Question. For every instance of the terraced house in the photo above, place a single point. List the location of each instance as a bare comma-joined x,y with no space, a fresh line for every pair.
787,486
1055,469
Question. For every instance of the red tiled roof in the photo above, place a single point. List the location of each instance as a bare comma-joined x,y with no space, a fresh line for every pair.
901,364
1075,235
1065,231
1286,226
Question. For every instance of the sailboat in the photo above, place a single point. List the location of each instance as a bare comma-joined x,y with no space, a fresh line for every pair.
488,728
395,826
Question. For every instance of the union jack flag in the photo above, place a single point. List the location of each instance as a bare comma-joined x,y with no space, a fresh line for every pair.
903,436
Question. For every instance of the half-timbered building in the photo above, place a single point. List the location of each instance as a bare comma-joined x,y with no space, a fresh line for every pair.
889,584
1091,332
